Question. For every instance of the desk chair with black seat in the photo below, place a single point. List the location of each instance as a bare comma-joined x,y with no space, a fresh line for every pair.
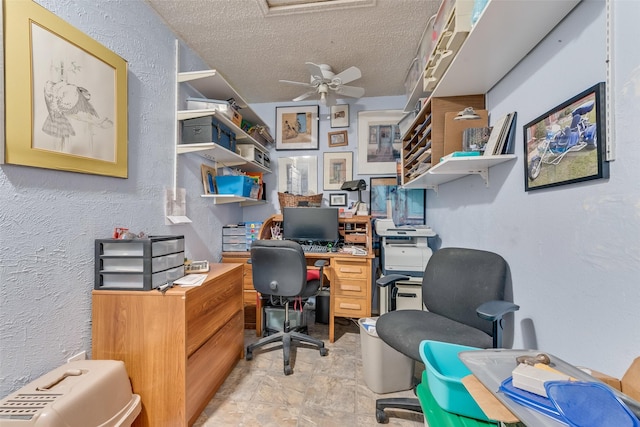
463,291
280,270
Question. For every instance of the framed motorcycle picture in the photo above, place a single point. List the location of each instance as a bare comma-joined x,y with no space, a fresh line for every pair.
567,144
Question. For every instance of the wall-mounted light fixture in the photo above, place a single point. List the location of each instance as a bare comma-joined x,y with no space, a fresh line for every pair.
467,114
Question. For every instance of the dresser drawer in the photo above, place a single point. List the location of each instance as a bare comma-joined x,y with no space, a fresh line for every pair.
247,273
207,367
209,308
350,307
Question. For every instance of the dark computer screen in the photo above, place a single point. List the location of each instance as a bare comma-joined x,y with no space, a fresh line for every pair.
312,224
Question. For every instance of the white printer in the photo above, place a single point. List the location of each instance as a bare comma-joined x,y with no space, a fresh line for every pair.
403,250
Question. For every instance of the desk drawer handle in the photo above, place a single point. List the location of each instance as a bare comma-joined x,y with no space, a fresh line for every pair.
351,288
356,270
350,306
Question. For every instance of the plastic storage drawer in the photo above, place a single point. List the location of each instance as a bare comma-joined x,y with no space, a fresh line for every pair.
138,264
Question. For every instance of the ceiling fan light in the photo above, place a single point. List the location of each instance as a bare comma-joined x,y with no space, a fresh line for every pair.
323,98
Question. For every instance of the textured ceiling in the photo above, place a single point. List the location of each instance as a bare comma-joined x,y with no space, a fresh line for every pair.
253,48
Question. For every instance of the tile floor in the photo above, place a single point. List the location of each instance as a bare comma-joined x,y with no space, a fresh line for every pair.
322,391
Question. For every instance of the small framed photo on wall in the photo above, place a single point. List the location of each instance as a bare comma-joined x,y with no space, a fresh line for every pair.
340,116
338,199
338,138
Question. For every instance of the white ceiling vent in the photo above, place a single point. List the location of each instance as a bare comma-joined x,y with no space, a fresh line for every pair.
289,7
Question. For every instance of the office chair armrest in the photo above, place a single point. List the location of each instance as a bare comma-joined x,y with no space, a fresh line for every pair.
494,310
320,263
249,261
390,280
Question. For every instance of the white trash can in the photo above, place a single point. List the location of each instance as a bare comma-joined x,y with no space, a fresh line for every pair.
385,369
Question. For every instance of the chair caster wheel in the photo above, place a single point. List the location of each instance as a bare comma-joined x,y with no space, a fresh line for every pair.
288,370
248,356
323,351
381,417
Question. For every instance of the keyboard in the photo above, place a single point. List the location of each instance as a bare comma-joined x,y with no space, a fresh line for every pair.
314,248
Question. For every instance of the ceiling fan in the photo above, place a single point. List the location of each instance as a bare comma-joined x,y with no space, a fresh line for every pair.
328,85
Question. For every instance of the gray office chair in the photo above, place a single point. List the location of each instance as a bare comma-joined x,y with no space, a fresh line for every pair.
280,270
463,290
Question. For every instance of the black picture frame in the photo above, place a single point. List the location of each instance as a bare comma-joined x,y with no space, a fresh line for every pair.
408,206
338,199
567,144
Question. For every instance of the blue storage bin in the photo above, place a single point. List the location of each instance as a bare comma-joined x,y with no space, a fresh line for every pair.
238,185
445,371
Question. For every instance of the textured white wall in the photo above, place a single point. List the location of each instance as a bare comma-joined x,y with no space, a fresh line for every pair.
50,219
574,251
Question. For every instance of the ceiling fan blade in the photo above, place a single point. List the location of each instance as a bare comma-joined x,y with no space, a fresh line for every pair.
304,96
296,83
348,75
315,71
352,91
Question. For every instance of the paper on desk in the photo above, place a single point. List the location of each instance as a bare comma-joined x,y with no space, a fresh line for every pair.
191,280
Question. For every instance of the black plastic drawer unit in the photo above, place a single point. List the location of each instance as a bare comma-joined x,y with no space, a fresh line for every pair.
138,264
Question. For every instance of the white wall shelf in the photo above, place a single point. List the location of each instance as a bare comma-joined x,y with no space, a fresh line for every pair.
456,168
224,157
210,84
505,33
221,199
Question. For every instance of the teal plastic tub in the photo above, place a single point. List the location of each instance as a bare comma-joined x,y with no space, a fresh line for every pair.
238,185
445,372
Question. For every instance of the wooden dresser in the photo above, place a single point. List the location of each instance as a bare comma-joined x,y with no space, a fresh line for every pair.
178,347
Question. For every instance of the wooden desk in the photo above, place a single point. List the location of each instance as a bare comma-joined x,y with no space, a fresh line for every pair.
178,347
350,278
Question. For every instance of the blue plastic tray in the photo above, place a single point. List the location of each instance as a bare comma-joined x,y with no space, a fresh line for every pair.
585,404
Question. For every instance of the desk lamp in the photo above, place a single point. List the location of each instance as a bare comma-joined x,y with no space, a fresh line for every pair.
358,185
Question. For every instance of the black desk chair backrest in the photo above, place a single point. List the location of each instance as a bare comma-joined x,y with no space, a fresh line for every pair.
457,281
279,268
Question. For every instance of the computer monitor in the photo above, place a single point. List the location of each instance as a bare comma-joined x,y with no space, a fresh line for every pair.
310,224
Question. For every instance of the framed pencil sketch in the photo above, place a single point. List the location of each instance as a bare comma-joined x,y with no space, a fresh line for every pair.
567,144
338,199
340,116
338,168
297,128
338,138
379,141
208,179
73,91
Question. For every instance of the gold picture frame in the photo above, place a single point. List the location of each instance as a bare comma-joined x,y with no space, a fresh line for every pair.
338,138
65,96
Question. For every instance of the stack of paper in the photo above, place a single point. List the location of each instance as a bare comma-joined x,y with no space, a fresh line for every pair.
191,280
